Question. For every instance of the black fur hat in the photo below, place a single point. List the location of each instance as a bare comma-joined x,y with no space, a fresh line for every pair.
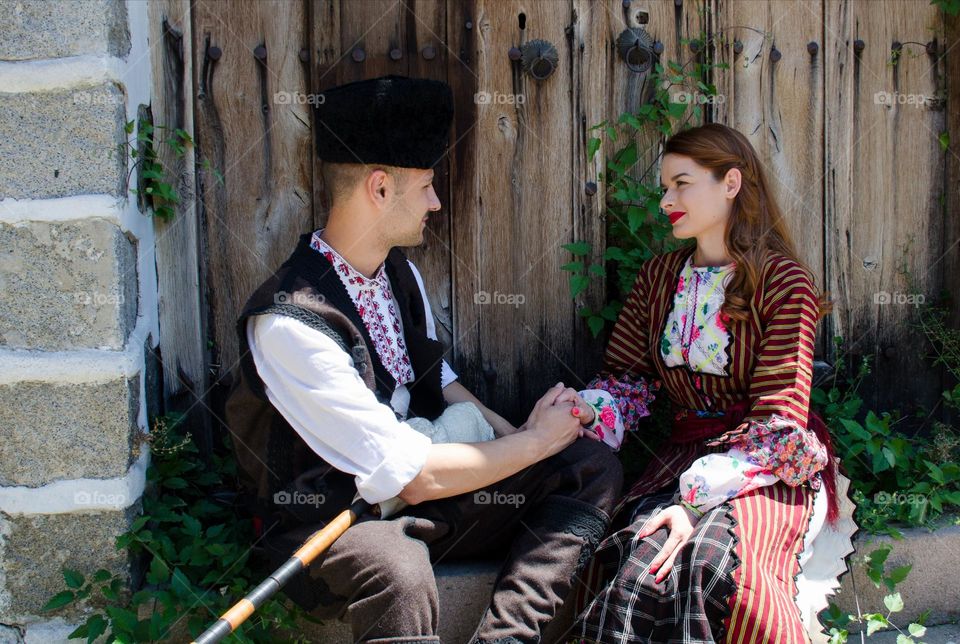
392,120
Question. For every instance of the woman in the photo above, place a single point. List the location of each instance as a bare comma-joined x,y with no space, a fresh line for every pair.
709,543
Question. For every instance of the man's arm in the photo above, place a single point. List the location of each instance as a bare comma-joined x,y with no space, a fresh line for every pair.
455,393
456,468
314,384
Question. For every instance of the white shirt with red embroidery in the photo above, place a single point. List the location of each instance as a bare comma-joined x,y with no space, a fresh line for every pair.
313,383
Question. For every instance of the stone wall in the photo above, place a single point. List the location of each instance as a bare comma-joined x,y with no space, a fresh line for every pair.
78,304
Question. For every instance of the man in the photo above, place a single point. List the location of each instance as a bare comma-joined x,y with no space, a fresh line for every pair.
339,349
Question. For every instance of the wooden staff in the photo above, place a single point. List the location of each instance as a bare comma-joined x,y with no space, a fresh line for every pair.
310,550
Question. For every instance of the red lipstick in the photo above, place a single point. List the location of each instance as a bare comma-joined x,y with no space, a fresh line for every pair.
675,216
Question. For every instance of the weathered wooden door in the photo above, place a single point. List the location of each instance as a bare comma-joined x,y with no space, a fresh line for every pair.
855,178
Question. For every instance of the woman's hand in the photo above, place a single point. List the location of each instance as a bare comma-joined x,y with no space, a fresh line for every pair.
679,521
587,414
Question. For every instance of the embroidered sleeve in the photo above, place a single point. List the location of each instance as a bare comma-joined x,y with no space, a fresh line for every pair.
618,405
620,397
717,478
774,434
793,453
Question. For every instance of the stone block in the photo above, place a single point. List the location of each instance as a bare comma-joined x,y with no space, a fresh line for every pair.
64,142
54,29
51,432
35,549
66,285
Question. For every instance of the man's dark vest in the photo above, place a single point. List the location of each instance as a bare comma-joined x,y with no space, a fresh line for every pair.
289,481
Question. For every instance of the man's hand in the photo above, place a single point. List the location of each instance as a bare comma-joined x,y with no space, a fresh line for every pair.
679,522
586,412
552,421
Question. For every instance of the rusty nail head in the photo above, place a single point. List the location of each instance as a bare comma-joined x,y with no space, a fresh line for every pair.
429,52
214,53
590,188
775,54
813,48
514,53
468,25
395,54
858,45
260,52
359,55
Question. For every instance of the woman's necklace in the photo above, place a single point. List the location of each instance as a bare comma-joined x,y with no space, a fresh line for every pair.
686,337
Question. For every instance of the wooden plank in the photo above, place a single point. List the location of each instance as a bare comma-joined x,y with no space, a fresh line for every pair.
778,106
464,190
594,28
259,143
427,55
513,314
182,347
375,27
323,26
604,87
951,237
884,175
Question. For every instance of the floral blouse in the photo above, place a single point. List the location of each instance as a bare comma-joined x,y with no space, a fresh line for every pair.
695,336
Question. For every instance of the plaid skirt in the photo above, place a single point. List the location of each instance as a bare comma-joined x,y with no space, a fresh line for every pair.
734,579
688,606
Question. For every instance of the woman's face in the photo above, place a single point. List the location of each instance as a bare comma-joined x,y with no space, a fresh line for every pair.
696,204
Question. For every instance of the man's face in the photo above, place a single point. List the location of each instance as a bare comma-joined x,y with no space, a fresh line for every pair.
414,199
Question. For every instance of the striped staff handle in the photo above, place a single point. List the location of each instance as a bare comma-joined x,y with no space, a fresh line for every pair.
310,550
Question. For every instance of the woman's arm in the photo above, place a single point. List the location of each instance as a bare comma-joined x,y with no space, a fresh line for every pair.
616,399
455,392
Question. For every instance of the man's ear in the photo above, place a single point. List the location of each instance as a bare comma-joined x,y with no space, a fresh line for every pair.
378,186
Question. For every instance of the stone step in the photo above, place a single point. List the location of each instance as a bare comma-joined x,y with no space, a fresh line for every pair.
932,582
465,590
944,634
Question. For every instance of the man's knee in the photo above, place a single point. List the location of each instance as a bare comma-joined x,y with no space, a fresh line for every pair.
598,472
596,459
392,559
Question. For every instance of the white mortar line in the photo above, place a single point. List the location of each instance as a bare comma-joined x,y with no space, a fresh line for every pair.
78,495
80,366
59,73
15,211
